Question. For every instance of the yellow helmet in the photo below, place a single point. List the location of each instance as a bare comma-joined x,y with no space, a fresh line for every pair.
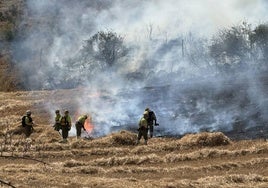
145,114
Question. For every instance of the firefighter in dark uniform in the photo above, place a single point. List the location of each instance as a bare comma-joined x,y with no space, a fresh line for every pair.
66,124
28,124
151,121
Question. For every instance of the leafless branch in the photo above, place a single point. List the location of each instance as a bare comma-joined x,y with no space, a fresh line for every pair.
6,183
26,158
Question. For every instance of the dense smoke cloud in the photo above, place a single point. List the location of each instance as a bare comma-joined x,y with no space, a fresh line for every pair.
184,93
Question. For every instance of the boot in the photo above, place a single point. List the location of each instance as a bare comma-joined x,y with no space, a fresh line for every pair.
63,141
145,142
137,142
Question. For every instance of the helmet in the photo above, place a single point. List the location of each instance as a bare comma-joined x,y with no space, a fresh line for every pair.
147,109
66,112
145,114
57,111
28,112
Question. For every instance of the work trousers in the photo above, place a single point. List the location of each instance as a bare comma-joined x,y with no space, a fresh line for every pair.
28,130
151,130
143,132
78,127
65,131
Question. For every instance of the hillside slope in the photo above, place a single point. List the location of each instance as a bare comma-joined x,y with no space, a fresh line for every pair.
10,13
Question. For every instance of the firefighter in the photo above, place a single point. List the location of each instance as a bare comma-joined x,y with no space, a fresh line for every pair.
66,123
143,128
57,125
151,121
79,124
27,123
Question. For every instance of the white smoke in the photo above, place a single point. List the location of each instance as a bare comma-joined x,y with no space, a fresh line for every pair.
115,101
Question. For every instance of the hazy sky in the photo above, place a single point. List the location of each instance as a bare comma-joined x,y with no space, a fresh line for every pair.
180,16
131,18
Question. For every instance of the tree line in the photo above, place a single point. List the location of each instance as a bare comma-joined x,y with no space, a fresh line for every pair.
237,48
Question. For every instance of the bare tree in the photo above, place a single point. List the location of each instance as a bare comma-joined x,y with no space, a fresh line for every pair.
105,48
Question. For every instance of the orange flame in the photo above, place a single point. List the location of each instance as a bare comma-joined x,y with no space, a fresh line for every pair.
88,125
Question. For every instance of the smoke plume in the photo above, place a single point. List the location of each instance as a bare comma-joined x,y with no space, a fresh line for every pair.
166,67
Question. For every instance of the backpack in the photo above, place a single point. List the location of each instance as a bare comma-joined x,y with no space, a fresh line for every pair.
23,121
63,121
150,118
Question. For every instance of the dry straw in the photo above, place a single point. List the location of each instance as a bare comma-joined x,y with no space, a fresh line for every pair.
205,139
122,138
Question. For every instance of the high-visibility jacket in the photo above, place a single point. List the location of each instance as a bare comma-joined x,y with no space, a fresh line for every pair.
65,120
143,123
82,119
57,118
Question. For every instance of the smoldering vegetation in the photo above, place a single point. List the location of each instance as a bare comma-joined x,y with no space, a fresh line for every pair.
197,73
206,81
113,160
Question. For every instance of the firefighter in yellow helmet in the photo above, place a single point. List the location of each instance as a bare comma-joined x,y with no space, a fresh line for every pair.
143,128
79,124
57,125
66,124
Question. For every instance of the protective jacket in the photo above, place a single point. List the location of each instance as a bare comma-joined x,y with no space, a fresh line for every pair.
151,117
66,121
82,119
28,121
28,125
57,118
143,123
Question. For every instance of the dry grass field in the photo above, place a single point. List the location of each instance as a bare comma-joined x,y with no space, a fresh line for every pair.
202,160
195,160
